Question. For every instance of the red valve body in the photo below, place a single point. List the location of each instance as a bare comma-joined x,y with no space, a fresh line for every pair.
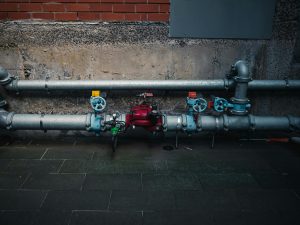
142,116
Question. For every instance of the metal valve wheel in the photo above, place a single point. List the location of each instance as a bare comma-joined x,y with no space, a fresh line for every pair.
200,105
98,103
220,104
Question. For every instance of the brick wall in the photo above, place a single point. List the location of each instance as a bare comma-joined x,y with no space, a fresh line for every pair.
72,10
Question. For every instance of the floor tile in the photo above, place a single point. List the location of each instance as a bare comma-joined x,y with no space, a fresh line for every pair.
106,218
34,166
55,181
77,200
21,200
113,182
174,181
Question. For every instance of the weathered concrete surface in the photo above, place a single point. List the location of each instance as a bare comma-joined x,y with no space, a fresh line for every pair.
40,50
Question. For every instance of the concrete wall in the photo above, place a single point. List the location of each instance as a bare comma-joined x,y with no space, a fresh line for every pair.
40,50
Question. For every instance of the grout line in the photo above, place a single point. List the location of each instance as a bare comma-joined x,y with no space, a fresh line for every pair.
44,153
70,218
26,179
30,142
142,181
44,199
93,155
83,182
110,194
60,167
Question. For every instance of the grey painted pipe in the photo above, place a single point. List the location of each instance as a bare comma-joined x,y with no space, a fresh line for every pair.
45,122
233,123
77,85
249,122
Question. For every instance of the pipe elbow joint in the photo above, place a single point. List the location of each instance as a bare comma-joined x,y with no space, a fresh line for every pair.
3,119
241,71
5,77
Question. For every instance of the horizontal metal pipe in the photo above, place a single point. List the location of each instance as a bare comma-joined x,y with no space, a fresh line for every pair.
47,122
170,122
250,122
77,85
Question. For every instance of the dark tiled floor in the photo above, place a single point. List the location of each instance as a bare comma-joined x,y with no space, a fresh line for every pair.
74,182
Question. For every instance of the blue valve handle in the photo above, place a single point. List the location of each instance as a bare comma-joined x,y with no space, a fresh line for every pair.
200,105
220,104
98,103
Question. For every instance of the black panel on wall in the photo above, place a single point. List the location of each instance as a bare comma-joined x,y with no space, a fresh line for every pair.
242,19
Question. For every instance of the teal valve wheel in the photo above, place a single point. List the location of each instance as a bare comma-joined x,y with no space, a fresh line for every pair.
200,105
98,103
220,104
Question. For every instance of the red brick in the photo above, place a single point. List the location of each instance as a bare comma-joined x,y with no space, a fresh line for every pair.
65,16
77,7
53,7
123,8
164,8
147,8
112,1
112,16
3,16
136,1
30,7
88,1
159,1
133,17
158,17
45,16
88,16
8,7
48,1
18,15
101,7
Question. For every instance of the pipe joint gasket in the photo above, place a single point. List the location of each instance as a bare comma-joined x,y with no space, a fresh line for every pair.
9,120
239,79
293,123
88,121
199,123
252,122
41,122
225,122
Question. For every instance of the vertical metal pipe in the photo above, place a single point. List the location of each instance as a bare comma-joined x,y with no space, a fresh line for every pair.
242,77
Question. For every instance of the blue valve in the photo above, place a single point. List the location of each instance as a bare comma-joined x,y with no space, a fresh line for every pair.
220,104
196,104
98,103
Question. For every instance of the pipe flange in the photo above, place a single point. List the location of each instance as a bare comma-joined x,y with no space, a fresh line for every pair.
9,120
239,101
292,123
252,122
88,121
238,113
242,79
199,124
226,122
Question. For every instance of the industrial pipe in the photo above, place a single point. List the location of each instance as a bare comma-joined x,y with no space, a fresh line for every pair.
5,77
44,122
241,76
169,122
231,123
176,85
